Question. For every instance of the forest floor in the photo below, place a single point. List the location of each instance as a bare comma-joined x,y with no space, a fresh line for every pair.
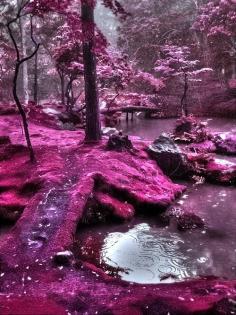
45,202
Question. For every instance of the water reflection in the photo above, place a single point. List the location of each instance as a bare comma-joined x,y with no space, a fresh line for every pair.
150,253
150,129
147,254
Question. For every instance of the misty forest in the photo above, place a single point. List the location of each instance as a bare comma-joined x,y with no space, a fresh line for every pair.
117,157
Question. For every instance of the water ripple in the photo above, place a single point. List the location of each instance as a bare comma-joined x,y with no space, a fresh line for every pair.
149,255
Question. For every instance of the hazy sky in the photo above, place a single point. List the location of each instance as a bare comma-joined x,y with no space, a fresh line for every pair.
107,23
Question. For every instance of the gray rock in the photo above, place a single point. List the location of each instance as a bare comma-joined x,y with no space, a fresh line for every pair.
169,157
225,143
63,258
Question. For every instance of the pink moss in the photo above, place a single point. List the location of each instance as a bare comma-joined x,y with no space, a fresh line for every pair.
221,171
30,305
122,210
203,147
55,191
226,143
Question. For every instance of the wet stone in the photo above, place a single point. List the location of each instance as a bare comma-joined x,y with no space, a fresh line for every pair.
119,142
188,221
226,144
225,306
169,156
64,258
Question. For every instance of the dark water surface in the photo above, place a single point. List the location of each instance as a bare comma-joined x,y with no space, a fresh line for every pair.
151,252
4,228
147,252
151,128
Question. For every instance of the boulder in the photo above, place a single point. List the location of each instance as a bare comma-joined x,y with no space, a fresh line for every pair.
64,258
44,113
225,306
207,146
226,143
185,219
199,162
221,171
169,157
70,117
189,221
119,142
177,163
216,170
189,129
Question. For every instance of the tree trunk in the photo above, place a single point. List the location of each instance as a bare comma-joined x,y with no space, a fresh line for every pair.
36,78
93,126
62,78
69,98
19,62
24,52
206,51
184,97
233,70
22,113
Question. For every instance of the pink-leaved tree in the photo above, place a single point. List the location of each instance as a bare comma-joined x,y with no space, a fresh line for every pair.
216,21
176,62
89,48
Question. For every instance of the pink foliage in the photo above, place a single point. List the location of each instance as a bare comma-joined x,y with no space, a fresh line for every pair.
154,82
177,60
217,18
41,7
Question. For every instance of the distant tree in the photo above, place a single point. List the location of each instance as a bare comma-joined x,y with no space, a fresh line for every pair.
114,74
7,52
41,7
119,78
153,24
67,53
20,60
22,20
216,21
176,62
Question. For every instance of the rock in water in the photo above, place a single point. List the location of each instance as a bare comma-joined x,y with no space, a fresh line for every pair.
189,221
189,129
169,157
185,219
64,258
224,306
226,144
